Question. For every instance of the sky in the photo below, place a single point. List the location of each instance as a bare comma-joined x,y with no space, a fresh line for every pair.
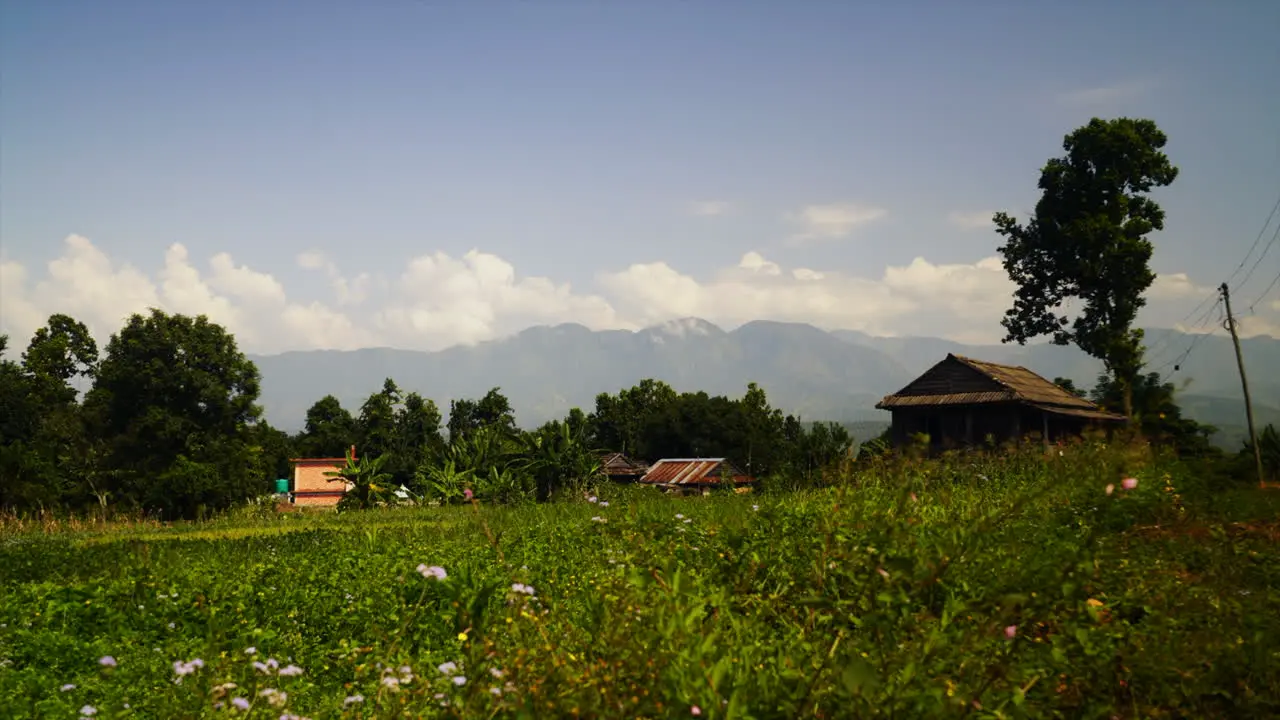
419,174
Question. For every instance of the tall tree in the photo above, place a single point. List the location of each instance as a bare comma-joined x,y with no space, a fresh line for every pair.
1087,241
173,399
330,430
59,352
493,410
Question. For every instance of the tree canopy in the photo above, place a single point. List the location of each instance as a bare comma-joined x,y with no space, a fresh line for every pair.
1087,242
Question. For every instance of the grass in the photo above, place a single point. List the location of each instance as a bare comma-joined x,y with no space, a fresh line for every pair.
968,587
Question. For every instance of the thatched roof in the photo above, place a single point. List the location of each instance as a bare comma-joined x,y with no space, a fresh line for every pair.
959,380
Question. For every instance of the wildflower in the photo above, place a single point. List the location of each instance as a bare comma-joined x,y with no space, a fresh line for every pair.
695,710
1110,488
496,672
240,703
251,651
679,516
522,588
274,697
459,680
688,520
391,682
107,661
353,700
604,504
495,691
261,666
1129,483
68,687
172,625
448,668
435,571
462,636
755,507
1010,631
290,671
88,710
598,519
186,668
467,493
592,499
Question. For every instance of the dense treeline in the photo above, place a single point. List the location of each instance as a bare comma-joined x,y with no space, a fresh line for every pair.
168,423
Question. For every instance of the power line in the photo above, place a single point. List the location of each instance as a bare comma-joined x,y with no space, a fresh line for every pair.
1275,280
1261,234
1274,237
1177,362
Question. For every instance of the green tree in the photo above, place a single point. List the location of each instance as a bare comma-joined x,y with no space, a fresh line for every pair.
1157,413
367,484
377,424
175,392
58,353
1087,241
492,410
330,430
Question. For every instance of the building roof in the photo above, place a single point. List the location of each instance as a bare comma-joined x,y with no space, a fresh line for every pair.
692,471
616,463
960,380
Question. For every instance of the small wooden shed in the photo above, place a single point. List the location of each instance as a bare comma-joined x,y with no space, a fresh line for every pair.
961,401
620,468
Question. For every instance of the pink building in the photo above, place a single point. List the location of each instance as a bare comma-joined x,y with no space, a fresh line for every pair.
310,484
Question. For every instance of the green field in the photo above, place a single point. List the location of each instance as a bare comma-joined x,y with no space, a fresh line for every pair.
1009,587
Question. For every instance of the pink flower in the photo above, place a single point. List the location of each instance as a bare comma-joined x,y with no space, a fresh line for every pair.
695,710
1129,483
467,493
1010,631
1110,488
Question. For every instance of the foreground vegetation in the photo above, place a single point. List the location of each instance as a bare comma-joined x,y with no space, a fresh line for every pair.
1020,586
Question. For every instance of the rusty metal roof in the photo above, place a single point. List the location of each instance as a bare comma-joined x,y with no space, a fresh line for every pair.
1017,384
692,471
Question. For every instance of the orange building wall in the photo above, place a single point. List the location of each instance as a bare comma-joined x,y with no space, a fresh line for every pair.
312,487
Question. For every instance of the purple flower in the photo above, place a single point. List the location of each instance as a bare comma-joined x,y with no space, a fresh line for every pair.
522,588
604,504
592,499
290,670
353,700
68,687
88,710
448,668
240,703
107,661
459,680
435,571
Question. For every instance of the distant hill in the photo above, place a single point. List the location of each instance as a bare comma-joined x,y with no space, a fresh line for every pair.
820,375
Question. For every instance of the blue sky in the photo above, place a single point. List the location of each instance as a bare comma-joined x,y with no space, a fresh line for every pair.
572,139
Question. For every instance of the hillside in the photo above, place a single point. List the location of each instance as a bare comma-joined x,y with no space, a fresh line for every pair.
820,375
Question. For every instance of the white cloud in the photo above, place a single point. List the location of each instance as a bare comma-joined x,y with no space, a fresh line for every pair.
345,291
711,208
980,220
439,300
834,221
1104,95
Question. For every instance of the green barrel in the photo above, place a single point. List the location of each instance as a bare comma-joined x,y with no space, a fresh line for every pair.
282,486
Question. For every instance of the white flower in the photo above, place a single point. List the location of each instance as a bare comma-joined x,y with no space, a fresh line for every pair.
434,571
448,668
459,680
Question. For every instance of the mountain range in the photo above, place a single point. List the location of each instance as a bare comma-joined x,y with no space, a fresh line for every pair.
820,375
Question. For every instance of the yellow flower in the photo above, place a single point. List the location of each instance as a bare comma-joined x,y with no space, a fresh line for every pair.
462,636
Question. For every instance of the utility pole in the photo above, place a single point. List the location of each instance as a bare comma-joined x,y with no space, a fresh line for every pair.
1244,382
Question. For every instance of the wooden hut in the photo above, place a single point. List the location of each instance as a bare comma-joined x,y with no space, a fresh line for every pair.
620,468
962,401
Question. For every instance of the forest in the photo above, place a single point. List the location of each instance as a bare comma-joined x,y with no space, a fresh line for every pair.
168,425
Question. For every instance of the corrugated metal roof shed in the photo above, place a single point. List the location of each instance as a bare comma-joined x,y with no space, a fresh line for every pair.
616,463
693,471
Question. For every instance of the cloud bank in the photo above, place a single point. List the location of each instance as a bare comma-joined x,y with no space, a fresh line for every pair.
437,300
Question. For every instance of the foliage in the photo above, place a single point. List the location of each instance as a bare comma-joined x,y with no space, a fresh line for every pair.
1087,241
1014,586
366,483
1269,449
1157,414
